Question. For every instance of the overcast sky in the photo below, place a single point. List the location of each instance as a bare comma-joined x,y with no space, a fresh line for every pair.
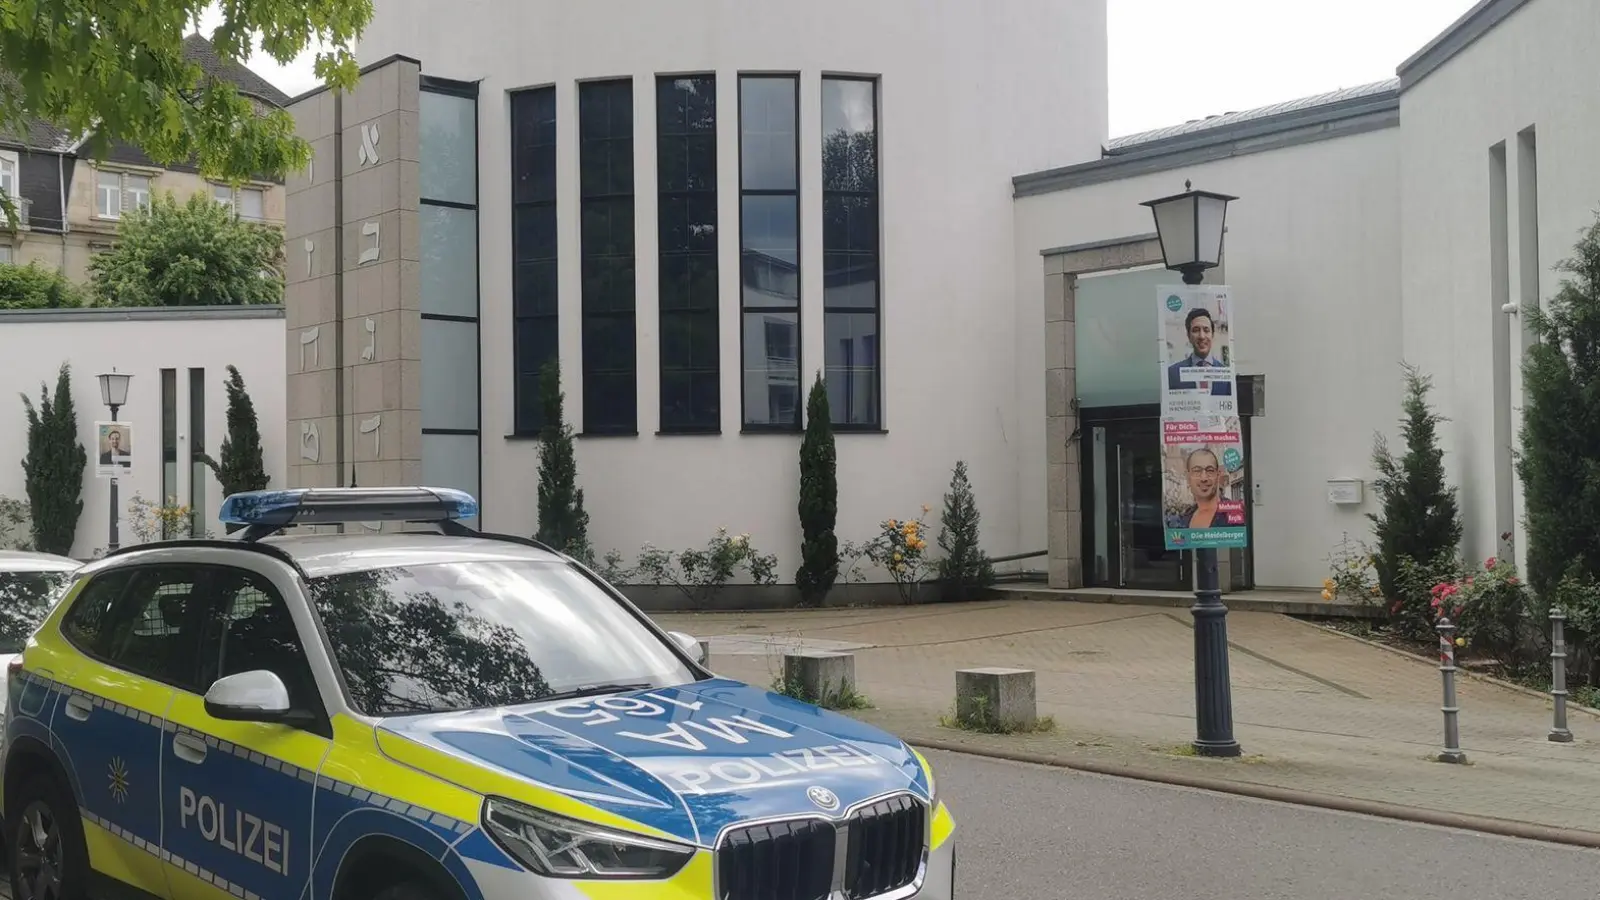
1176,60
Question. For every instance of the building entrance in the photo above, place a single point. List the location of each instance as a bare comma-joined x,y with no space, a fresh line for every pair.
1123,535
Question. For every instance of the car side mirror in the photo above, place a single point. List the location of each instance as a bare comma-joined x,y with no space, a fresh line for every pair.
256,696
690,645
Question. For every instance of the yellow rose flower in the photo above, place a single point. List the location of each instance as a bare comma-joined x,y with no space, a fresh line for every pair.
1461,642
1327,583
1327,595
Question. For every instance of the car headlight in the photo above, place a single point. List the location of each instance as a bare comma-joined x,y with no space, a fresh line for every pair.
558,847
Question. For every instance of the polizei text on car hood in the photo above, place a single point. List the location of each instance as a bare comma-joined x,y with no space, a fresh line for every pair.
686,761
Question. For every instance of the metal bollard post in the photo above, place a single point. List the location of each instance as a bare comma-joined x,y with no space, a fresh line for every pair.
1447,665
1558,674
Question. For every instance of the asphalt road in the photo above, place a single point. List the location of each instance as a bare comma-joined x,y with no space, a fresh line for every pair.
1034,833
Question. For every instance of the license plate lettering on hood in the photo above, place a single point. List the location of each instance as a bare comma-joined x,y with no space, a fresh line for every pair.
678,736
770,770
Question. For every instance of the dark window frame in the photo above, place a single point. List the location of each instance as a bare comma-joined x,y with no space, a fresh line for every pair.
169,443
876,196
699,421
797,425
527,413
468,90
616,412
197,451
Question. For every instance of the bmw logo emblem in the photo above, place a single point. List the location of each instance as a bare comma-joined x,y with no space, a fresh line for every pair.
823,798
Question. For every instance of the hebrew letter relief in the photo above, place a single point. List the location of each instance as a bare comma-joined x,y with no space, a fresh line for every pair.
370,426
368,152
310,441
310,249
308,338
370,254
370,351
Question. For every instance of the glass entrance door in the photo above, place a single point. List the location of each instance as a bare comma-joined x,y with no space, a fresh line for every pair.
1126,542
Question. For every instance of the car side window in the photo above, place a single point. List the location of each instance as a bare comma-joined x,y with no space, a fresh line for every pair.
149,627
85,623
253,629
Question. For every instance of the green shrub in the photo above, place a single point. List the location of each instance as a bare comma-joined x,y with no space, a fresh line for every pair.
242,468
819,501
964,570
54,467
36,287
1419,519
563,523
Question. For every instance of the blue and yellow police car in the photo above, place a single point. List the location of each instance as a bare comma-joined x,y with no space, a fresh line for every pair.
424,713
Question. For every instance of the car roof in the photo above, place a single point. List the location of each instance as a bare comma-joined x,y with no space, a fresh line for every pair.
32,561
319,555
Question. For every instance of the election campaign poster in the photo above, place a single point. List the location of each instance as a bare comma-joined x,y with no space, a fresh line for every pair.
1202,442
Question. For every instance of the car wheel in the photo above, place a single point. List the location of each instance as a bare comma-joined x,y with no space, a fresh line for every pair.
405,890
45,845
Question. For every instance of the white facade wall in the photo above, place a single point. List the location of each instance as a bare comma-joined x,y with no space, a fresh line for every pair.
1313,255
141,342
1536,69
970,94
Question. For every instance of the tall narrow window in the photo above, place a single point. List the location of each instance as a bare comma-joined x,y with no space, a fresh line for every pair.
1500,354
108,194
448,179
850,261
605,189
535,307
169,445
686,147
197,451
8,174
769,250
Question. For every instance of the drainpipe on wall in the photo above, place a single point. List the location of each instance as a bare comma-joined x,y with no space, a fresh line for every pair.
61,187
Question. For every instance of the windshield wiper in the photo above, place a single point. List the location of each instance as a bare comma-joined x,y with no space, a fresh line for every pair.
595,690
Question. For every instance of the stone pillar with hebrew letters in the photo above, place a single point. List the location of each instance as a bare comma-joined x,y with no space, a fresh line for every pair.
362,188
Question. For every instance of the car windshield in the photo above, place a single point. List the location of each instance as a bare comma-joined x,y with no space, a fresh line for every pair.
469,635
25,599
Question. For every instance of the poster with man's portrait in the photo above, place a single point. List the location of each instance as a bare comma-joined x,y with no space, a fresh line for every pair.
1204,484
113,449
1197,358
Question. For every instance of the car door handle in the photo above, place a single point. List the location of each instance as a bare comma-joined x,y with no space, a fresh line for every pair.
79,708
189,749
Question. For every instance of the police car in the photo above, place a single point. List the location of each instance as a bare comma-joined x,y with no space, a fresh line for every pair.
433,714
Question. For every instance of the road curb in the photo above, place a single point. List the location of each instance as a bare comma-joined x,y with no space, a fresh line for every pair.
1475,676
1485,824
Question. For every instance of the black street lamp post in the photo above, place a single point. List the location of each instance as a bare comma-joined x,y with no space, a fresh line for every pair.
114,394
1190,227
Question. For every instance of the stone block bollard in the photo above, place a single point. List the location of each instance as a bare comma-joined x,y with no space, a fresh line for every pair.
819,674
1005,697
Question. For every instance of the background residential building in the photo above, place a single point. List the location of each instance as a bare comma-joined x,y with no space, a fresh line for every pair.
71,203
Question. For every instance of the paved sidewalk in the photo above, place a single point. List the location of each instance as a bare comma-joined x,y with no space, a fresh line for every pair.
1315,711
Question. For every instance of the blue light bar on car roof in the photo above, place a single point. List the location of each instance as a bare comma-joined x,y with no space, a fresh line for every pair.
335,506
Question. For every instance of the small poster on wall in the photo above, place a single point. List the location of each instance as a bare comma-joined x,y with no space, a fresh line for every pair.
114,446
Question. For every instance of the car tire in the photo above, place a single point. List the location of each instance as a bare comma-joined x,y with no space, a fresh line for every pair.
44,844
407,890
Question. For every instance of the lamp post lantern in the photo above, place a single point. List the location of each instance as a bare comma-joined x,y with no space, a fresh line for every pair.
114,394
1190,227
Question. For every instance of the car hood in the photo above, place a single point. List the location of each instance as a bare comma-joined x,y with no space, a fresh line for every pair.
688,761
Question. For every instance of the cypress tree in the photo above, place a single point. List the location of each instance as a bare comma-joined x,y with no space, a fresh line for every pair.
965,568
54,467
1419,519
1560,441
242,467
819,500
563,524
